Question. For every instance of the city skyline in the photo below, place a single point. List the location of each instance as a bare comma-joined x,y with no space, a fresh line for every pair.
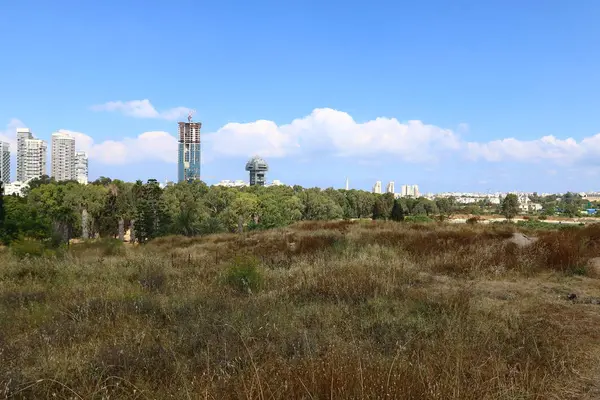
477,101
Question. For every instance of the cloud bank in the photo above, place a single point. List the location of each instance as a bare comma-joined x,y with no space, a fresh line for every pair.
324,132
142,109
148,146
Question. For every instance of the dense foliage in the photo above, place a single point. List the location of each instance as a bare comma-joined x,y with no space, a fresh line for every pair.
189,209
53,209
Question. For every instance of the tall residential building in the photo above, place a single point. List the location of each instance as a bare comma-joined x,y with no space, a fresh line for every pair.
4,162
31,156
189,150
23,134
377,187
390,187
81,167
410,191
63,157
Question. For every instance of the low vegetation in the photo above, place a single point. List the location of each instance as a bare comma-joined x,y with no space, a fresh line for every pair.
317,310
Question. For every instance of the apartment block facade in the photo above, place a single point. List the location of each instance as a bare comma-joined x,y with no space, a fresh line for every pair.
4,162
81,167
23,134
63,157
377,187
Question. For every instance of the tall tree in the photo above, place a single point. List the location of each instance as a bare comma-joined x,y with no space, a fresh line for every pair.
152,219
397,212
510,206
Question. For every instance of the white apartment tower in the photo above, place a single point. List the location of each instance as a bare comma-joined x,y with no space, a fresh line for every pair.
23,134
410,191
63,157
31,156
4,162
377,187
390,187
81,167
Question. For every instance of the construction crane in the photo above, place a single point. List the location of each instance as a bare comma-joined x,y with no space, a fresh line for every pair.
190,114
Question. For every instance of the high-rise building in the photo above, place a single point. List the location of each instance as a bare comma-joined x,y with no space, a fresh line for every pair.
410,191
31,156
23,134
347,184
81,167
390,187
4,162
63,157
258,171
377,187
189,150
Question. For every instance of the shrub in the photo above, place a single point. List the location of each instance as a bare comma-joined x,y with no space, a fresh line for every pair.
418,218
243,274
107,246
542,217
473,220
28,248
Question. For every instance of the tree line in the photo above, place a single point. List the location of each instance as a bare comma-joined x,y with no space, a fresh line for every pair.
107,208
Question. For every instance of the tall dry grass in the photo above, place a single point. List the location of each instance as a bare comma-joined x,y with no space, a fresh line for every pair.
315,311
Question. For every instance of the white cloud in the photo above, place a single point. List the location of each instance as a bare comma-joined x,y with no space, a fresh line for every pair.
331,130
142,109
149,146
9,134
546,148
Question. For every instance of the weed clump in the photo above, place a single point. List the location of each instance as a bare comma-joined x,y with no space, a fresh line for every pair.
243,274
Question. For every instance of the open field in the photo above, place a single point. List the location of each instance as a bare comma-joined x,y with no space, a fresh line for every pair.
313,311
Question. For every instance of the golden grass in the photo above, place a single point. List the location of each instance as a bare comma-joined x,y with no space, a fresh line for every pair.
343,311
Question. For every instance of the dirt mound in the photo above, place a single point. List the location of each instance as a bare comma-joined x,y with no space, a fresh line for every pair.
522,240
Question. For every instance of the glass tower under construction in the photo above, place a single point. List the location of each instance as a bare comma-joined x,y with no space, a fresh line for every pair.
189,151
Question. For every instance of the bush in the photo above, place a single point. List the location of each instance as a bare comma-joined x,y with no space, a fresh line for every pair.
418,218
243,275
473,220
25,248
542,217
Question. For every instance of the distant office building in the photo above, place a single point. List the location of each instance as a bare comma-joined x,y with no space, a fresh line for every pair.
189,150
31,156
257,167
377,187
4,162
63,157
410,191
81,167
390,187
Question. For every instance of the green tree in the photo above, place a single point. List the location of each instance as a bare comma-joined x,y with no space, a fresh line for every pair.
510,206
446,205
397,212
152,218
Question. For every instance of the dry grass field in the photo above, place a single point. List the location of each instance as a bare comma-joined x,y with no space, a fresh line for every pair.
313,311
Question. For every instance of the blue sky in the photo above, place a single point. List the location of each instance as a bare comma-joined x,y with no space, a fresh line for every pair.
321,89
